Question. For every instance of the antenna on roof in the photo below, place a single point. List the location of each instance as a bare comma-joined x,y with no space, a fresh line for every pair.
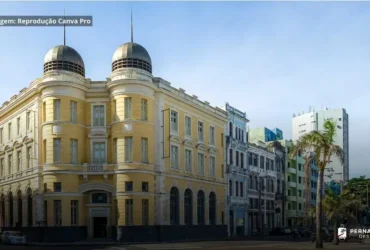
64,28
132,29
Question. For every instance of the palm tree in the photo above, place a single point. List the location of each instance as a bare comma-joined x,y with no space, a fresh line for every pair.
321,144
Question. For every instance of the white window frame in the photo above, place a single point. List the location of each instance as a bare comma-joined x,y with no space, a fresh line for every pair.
18,126
59,150
212,136
177,159
92,114
132,149
28,120
73,111
144,109
56,109
19,161
185,126
200,167
187,169
127,115
92,150
177,121
200,132
10,164
71,143
58,214
212,169
144,150
74,212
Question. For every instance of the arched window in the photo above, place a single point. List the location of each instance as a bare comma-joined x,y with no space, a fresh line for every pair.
2,210
200,207
231,129
212,208
29,207
11,215
174,206
188,207
20,208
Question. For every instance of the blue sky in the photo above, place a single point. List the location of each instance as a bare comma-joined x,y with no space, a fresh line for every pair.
268,59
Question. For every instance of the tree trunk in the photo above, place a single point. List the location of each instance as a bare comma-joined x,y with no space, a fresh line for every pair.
319,207
335,231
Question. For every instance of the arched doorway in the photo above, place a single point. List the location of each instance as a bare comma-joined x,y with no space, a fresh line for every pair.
188,207
212,208
20,208
174,206
2,200
200,207
11,212
29,207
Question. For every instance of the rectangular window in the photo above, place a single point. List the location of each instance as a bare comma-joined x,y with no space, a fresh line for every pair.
145,211
212,135
145,186
128,149
187,126
174,121
57,212
10,164
300,179
242,160
212,166
57,149
56,109
74,151
99,153
115,116
255,160
300,167
200,131
1,135
57,187
174,157
262,162
200,163
2,167
188,160
241,189
19,161
129,209
28,120
236,188
144,150
98,116
237,158
18,126
272,165
115,156
231,156
9,131
144,110
73,111
128,107
267,164
74,213
230,188
129,186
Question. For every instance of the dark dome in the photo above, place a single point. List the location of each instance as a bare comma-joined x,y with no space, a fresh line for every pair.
131,55
63,57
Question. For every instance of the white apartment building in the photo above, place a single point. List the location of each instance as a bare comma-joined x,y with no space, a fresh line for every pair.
236,171
262,186
303,123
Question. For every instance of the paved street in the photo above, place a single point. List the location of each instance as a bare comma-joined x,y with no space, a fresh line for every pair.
216,245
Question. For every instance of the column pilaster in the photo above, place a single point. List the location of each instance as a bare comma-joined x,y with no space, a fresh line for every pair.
40,207
25,210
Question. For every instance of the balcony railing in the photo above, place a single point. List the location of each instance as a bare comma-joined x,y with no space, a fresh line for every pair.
95,168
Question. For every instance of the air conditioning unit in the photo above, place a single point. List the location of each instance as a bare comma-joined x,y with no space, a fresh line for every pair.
57,129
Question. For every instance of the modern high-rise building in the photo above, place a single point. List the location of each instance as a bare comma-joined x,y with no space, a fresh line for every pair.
131,156
303,123
236,170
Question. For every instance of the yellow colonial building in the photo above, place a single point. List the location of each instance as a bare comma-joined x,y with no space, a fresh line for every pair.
130,158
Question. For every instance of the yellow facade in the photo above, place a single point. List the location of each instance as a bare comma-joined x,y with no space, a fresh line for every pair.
104,154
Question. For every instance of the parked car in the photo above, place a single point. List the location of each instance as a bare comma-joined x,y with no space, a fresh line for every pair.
13,237
304,232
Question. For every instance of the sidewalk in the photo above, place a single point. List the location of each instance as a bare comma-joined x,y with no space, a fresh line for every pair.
79,243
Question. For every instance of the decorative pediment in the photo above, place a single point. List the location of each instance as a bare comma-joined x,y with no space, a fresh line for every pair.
8,148
96,186
17,144
27,140
213,150
98,134
188,143
175,138
201,146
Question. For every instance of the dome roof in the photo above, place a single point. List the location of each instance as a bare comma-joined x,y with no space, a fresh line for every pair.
63,57
131,55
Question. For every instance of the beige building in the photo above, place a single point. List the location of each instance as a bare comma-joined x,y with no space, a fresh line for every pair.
131,156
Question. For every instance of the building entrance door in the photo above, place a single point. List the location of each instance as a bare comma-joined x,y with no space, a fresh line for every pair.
100,227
